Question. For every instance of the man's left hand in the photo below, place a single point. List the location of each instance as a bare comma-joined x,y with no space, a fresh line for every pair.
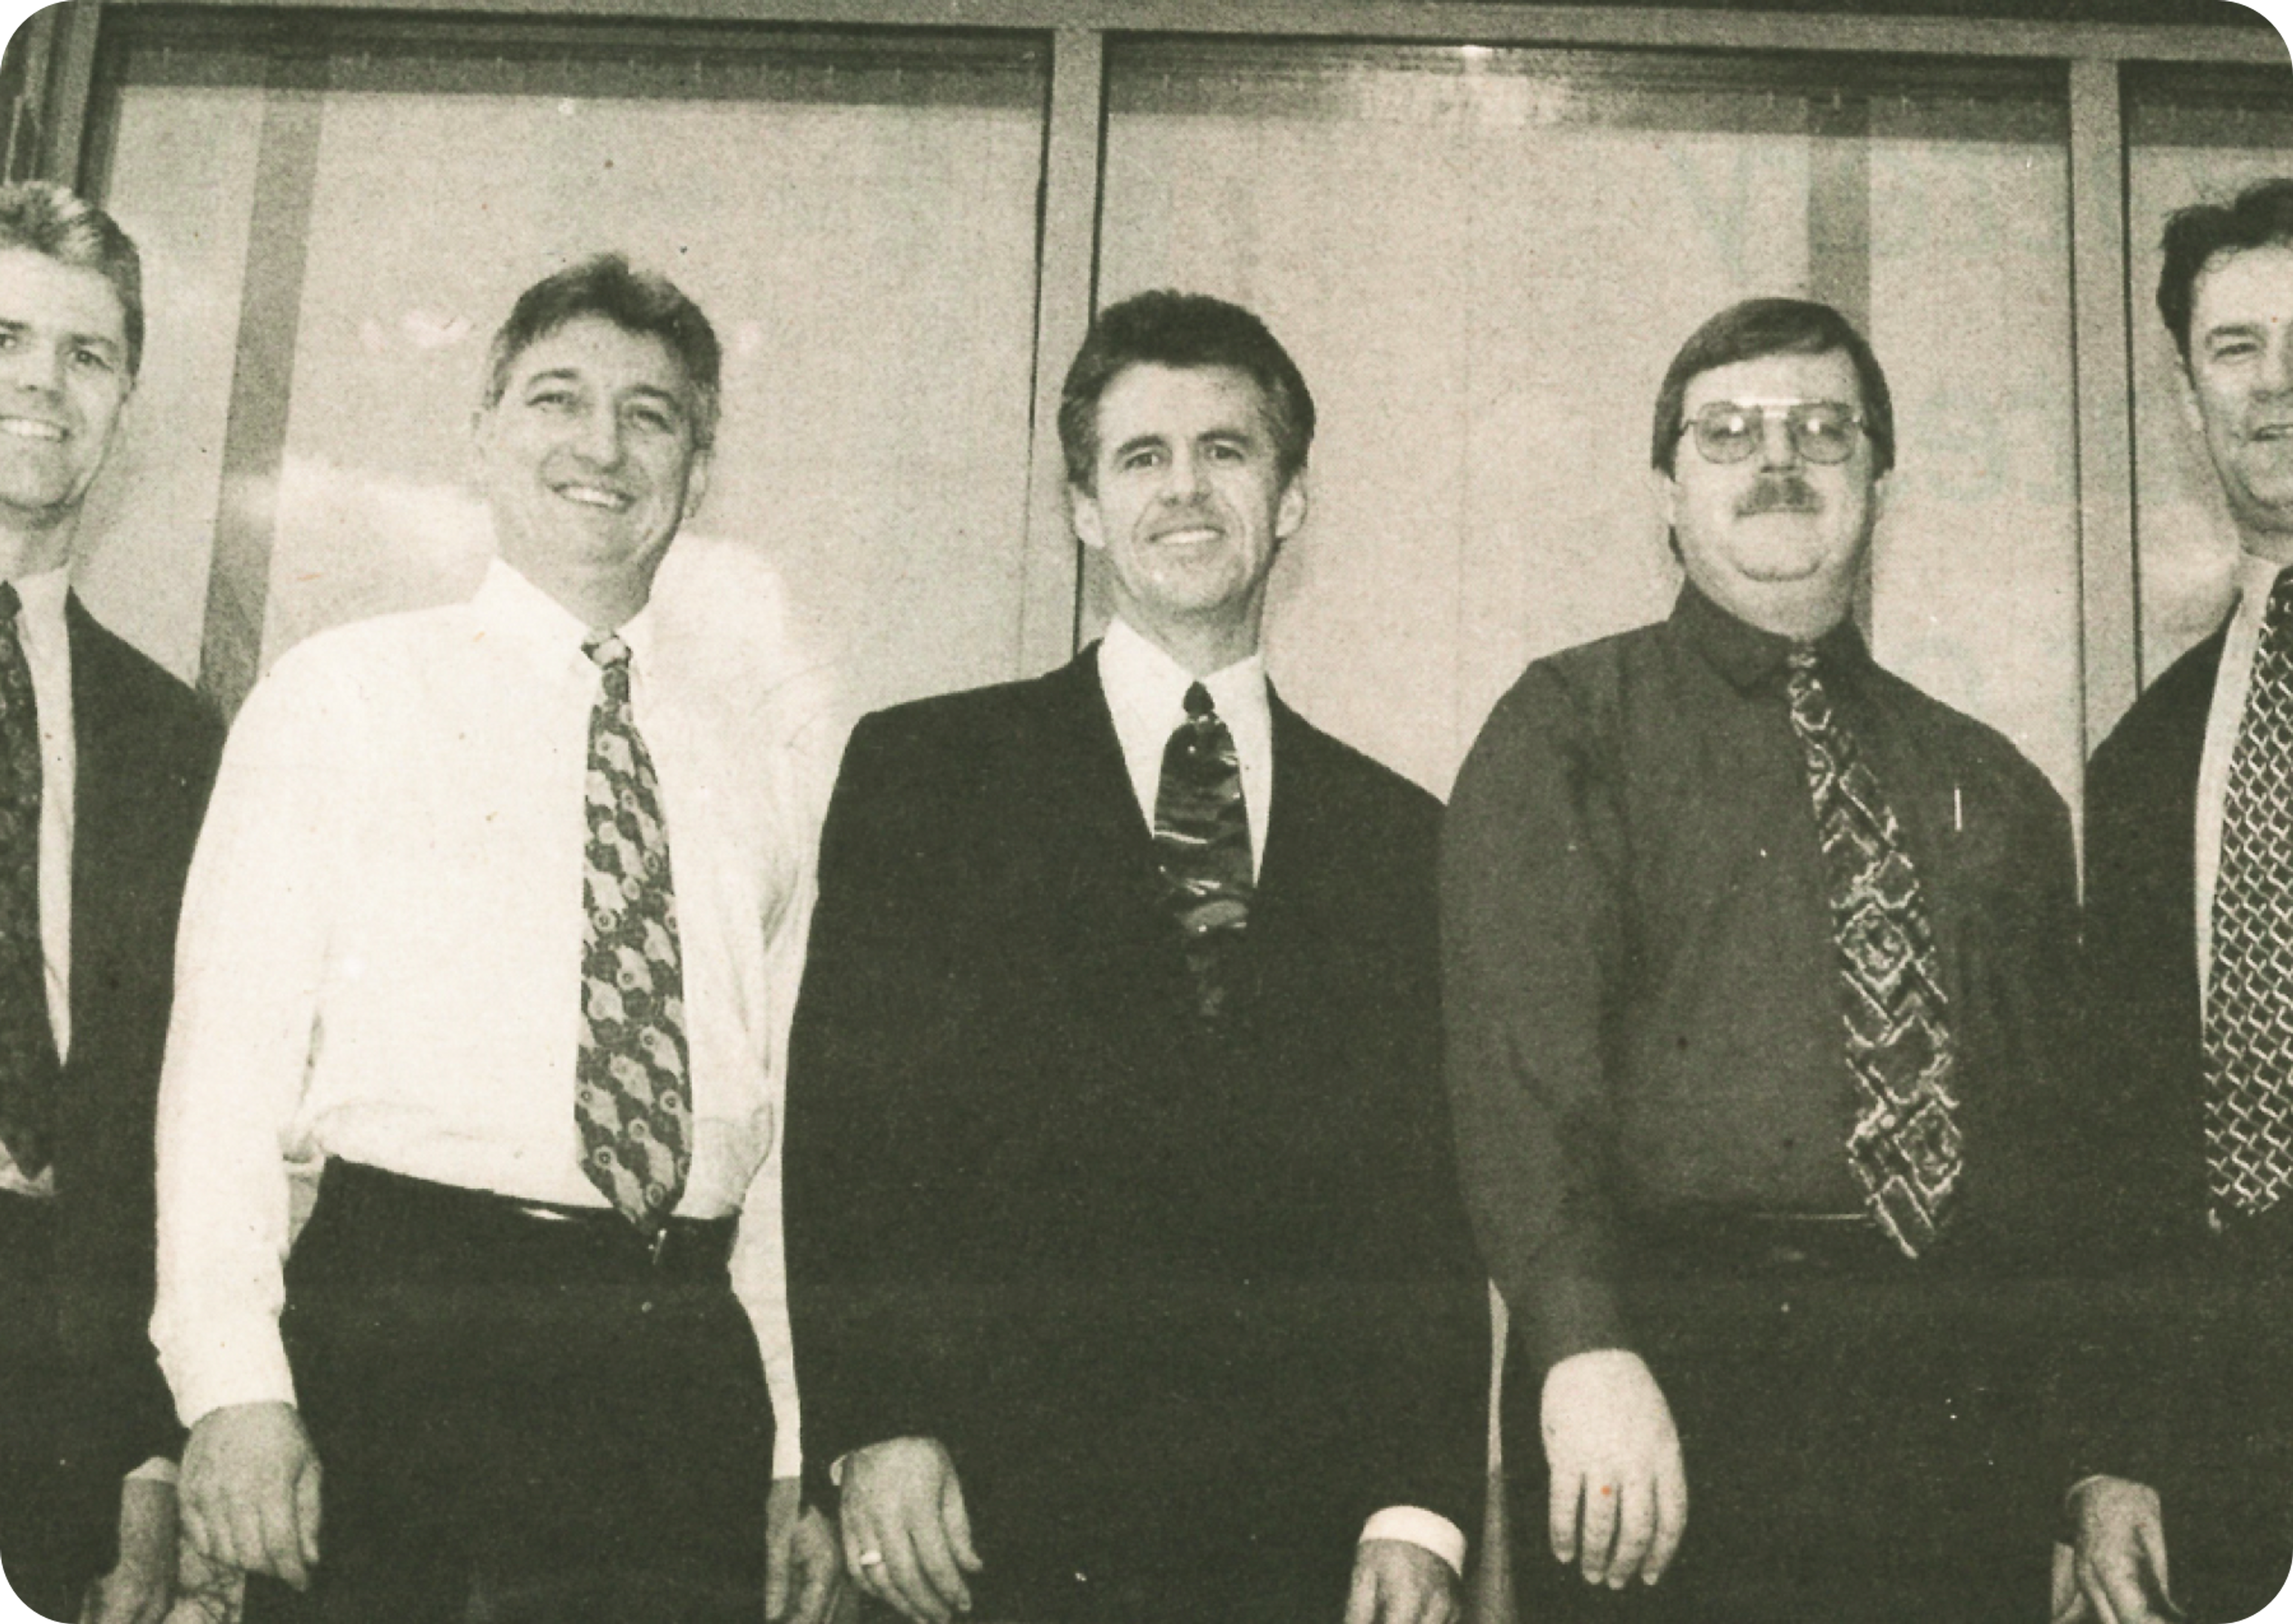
804,1562
141,1588
1398,1582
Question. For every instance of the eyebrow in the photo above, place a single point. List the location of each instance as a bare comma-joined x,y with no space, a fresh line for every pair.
93,341
573,375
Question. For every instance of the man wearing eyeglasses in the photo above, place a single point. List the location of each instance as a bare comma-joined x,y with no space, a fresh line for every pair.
1754,963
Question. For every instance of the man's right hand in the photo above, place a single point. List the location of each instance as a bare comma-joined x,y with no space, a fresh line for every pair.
907,1537
2117,1572
1619,1493
249,1491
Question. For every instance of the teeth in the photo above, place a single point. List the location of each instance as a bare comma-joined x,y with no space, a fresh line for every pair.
26,428
590,496
1188,537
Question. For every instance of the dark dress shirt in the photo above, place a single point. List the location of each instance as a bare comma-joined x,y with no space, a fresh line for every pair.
1642,991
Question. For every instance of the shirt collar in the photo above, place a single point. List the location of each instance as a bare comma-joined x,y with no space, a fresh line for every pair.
1143,681
42,617
511,606
2256,578
1749,656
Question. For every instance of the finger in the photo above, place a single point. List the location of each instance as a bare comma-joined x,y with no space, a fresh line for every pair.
1561,1515
816,1583
2096,1591
190,1513
282,1539
1671,1520
956,1519
243,1536
310,1506
859,1543
1635,1532
912,1593
2150,1533
778,1539
1600,1530
1361,1596
936,1560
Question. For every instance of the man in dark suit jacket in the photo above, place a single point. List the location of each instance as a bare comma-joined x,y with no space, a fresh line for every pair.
105,761
2189,871
1128,1272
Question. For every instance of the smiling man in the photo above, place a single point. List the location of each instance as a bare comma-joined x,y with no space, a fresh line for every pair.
2189,885
499,914
105,761
1755,960
1128,1274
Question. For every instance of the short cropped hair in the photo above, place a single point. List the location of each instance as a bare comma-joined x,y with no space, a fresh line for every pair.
637,300
1175,329
48,219
2261,217
1760,328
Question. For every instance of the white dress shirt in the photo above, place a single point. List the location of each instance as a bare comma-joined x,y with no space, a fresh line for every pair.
2256,578
1146,694
380,957
48,650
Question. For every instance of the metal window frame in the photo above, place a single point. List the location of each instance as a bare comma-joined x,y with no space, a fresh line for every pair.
63,42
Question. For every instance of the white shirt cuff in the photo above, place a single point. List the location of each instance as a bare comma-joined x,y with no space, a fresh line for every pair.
1420,1526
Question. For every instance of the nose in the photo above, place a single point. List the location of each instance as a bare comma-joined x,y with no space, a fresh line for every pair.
598,436
37,368
2277,362
1775,448
1187,478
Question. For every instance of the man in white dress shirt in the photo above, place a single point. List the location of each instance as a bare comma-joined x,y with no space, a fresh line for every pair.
498,914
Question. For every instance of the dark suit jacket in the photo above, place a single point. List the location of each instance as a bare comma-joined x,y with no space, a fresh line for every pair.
1173,1296
147,748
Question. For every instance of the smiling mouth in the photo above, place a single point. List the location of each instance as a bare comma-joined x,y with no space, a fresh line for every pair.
2274,431
30,428
596,496
1191,536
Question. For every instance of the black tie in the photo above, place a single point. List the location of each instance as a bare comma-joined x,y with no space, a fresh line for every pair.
29,1070
1201,834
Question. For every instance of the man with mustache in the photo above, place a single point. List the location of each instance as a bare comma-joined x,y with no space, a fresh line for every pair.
1753,960
2189,878
497,914
1128,1270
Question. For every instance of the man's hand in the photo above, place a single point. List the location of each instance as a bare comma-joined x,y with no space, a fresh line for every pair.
1619,1494
1396,1582
250,1492
140,1589
801,1561
2117,1573
907,1537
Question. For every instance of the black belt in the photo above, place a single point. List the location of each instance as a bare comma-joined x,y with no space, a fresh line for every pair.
368,1201
1729,1244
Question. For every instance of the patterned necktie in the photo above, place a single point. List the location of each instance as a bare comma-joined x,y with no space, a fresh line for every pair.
1905,1146
29,1070
1201,835
634,1103
2248,1027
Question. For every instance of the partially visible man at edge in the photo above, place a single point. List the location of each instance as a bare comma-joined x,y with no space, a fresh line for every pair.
1757,959
2189,974
498,913
105,765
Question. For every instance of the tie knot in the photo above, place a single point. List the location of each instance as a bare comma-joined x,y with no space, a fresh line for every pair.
607,650
1802,658
1198,702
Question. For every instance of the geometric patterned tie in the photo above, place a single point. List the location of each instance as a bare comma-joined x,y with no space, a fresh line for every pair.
1905,1147
2248,1026
632,1088
29,1070
1202,836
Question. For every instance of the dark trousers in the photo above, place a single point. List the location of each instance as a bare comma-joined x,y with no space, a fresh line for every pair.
1859,1431
57,1530
534,1409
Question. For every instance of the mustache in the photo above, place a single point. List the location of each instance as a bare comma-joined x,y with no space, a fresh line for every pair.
1773,493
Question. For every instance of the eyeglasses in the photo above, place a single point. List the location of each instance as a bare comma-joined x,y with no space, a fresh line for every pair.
1730,430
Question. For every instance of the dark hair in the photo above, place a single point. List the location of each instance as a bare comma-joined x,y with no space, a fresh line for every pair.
2261,216
1759,327
640,301
1175,329
47,219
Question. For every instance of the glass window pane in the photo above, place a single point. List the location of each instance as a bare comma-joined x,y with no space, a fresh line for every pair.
1484,259
855,212
2191,138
